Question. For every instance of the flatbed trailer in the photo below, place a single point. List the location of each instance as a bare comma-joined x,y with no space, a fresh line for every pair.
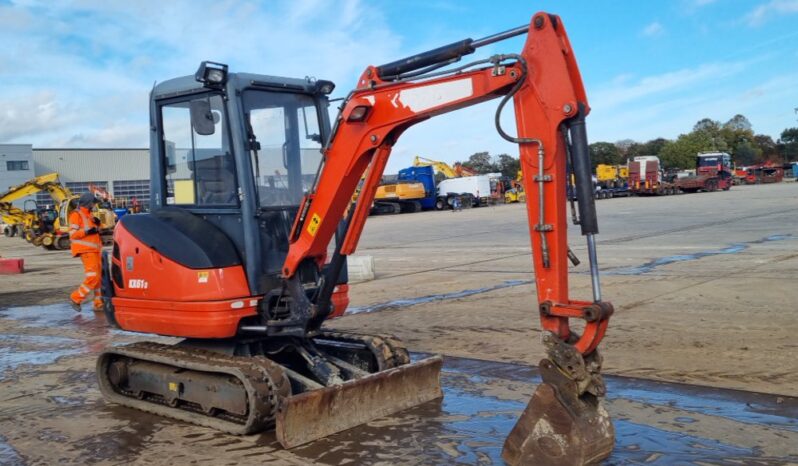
609,193
692,184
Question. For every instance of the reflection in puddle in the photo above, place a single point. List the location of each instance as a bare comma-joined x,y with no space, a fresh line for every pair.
18,350
54,315
62,316
9,456
469,427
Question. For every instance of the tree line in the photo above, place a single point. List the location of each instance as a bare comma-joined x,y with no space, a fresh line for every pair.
735,137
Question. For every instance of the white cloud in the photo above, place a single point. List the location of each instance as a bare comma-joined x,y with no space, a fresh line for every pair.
765,11
99,59
624,91
29,114
653,29
762,103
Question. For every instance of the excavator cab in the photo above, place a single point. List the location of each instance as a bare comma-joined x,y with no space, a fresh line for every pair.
233,155
239,154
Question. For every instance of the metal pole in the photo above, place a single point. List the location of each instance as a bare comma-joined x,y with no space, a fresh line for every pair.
594,271
500,36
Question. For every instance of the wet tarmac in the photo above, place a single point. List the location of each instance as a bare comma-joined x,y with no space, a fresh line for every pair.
656,422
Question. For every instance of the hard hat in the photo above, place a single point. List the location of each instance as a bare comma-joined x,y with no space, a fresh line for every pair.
87,200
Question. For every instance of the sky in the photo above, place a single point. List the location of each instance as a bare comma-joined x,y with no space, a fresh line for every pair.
78,73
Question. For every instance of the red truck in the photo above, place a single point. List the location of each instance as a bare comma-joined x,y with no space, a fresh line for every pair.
713,172
764,174
645,177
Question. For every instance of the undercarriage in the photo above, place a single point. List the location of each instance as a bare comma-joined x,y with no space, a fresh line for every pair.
245,386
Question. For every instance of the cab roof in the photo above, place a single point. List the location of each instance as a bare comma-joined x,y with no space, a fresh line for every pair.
238,81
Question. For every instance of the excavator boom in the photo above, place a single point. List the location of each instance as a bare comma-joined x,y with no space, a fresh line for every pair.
550,107
235,257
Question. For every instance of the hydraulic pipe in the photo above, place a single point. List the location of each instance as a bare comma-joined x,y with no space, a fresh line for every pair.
335,267
583,177
500,36
451,52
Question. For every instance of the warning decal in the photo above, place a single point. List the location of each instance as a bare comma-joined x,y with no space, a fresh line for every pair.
313,224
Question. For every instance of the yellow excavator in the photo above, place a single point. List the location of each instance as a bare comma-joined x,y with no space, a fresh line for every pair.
456,171
515,192
46,227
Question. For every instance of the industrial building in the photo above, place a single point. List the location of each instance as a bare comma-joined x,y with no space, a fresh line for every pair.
125,173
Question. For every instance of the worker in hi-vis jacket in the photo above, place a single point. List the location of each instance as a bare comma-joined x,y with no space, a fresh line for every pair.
85,241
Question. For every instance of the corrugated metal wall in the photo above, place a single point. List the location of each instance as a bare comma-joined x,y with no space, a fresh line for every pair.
11,155
81,165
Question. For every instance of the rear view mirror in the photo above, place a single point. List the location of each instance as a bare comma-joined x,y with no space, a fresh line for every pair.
202,118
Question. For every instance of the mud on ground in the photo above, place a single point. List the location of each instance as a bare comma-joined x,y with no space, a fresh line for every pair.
703,287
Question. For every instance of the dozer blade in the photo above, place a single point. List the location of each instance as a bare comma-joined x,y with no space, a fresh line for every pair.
559,427
318,413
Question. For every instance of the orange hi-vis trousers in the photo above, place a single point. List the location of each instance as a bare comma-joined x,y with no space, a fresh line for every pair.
91,280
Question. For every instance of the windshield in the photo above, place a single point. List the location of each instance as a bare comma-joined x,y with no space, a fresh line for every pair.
714,161
199,165
285,142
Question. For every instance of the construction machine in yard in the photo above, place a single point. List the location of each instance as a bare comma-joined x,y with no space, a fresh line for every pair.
48,227
447,170
400,196
243,255
514,191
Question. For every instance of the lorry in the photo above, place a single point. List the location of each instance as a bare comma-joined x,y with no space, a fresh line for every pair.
646,177
612,181
472,191
413,191
713,172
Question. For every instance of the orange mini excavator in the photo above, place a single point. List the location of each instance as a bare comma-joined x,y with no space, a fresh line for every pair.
244,253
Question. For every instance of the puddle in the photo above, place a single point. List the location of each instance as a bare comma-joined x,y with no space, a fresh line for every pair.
63,316
650,266
398,303
19,350
639,443
9,456
469,426
740,406
54,315
482,402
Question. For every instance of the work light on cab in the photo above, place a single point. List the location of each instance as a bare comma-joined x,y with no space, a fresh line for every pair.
324,87
211,74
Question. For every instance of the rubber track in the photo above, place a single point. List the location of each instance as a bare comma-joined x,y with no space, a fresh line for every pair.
264,381
389,351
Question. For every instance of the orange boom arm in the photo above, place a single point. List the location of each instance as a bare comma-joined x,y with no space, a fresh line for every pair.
550,110
379,111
